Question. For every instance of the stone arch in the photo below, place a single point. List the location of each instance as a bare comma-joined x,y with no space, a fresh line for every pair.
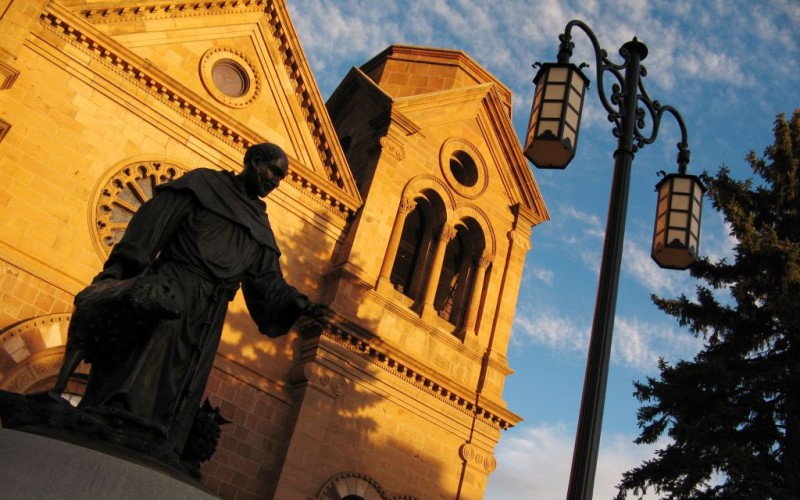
423,183
470,211
31,352
351,485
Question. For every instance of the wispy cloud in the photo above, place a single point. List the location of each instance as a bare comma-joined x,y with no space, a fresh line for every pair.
640,265
544,275
536,463
637,344
548,328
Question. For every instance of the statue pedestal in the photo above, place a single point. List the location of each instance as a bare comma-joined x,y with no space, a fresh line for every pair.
35,466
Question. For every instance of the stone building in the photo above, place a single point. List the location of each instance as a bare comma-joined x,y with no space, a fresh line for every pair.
408,208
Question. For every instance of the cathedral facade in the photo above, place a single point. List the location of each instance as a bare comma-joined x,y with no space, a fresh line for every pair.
408,208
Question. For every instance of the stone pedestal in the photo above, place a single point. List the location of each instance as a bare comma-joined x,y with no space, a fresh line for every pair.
35,466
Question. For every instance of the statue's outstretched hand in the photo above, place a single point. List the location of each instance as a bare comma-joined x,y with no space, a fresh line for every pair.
313,310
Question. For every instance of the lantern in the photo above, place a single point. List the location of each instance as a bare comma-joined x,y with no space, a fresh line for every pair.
676,236
555,115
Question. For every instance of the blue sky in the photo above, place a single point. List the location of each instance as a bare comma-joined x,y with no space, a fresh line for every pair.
729,67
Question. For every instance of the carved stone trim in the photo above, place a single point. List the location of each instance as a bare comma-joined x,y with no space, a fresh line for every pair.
216,55
33,350
4,128
485,259
470,453
8,75
115,60
407,205
301,89
160,10
392,147
314,374
448,149
422,382
447,233
356,484
516,238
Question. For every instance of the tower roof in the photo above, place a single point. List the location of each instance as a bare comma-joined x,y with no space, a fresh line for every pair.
406,70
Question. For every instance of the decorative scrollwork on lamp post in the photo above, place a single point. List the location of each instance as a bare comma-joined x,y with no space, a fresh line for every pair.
551,142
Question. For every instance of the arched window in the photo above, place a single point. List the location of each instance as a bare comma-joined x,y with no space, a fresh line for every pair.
409,251
458,272
416,244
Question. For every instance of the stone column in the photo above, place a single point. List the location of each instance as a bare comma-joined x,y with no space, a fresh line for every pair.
407,205
475,297
429,293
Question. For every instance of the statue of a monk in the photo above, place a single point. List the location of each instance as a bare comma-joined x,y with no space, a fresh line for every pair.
194,243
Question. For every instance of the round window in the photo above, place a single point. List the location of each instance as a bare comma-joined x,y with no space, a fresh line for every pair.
463,168
230,78
121,196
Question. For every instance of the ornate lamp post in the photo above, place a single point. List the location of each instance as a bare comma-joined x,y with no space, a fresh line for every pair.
551,142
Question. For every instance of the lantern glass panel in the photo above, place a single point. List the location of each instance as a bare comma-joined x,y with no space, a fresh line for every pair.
680,202
662,205
548,125
568,135
575,100
557,74
679,219
572,118
555,92
551,110
578,84
682,185
661,223
674,235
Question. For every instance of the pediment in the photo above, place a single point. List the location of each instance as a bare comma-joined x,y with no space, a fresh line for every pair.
483,108
169,49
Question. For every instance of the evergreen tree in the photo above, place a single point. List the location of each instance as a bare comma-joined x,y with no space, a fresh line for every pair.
733,413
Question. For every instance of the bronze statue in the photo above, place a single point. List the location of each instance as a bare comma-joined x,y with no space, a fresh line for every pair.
184,255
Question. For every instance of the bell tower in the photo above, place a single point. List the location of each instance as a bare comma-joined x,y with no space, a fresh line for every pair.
426,280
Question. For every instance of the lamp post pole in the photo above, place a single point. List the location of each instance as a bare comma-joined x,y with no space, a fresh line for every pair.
551,143
587,439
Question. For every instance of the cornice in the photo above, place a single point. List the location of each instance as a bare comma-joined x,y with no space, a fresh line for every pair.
111,12
332,160
160,86
433,55
369,350
518,165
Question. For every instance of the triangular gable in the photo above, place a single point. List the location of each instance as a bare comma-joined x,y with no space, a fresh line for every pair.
150,43
482,103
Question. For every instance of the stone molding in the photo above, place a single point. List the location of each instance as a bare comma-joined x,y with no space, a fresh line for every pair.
4,128
160,10
213,56
132,69
448,149
412,376
392,147
303,94
470,453
8,75
315,374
